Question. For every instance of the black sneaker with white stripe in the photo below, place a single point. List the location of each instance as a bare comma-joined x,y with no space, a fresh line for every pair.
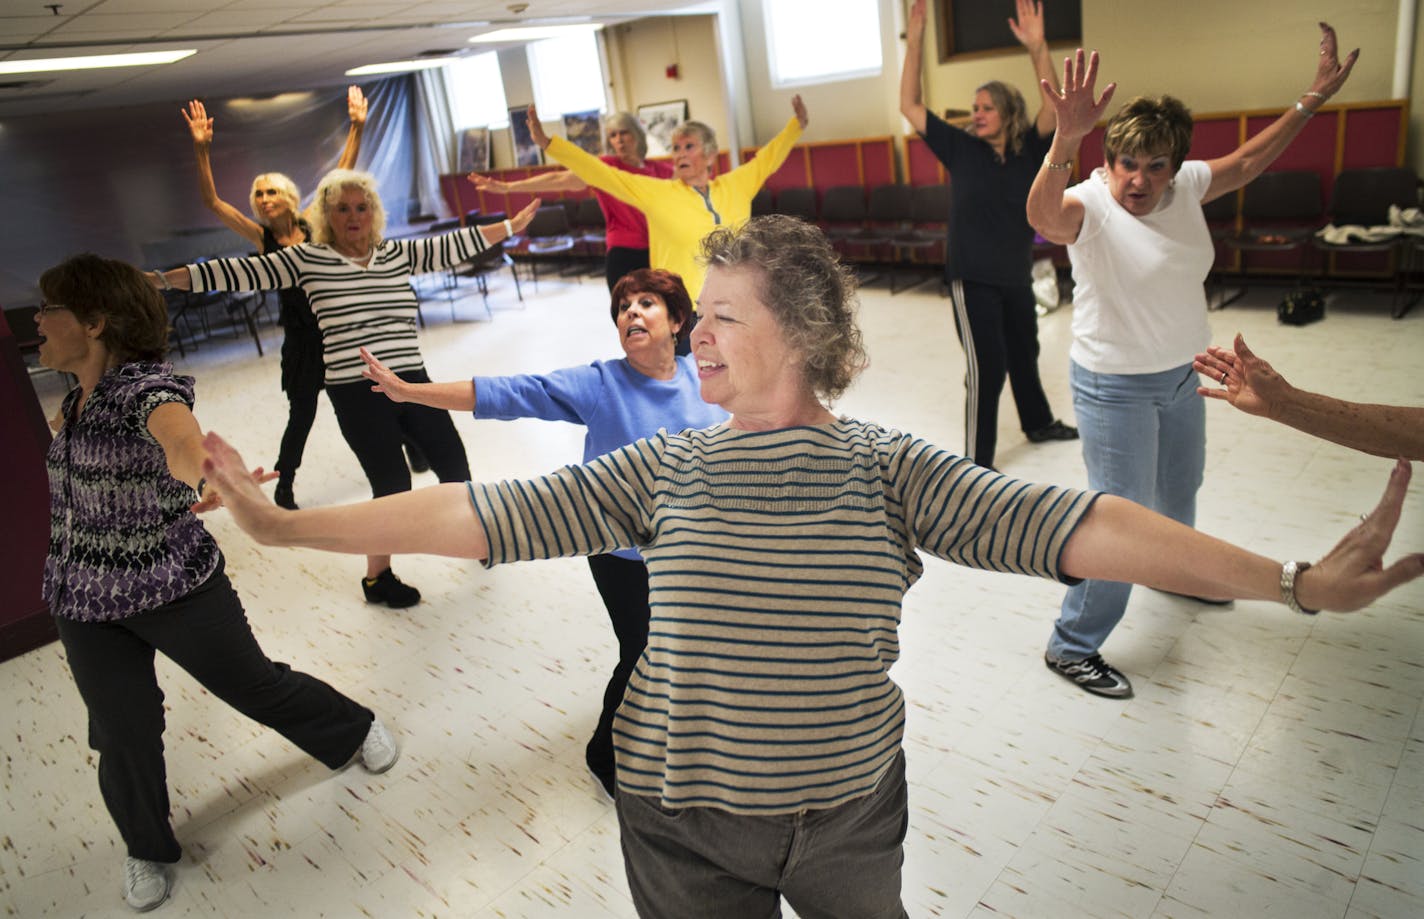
1094,675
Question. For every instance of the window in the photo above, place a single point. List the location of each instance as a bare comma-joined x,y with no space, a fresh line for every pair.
567,75
808,43
477,92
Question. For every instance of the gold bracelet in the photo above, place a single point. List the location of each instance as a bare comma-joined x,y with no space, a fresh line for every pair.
1060,167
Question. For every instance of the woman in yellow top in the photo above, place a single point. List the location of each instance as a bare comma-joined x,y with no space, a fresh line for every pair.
683,209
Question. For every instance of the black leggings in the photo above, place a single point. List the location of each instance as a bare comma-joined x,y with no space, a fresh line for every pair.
206,633
620,260
301,415
623,584
374,428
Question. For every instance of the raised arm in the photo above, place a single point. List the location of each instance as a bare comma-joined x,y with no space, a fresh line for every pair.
559,180
1249,160
1056,215
625,186
356,108
1027,27
1121,541
452,397
1252,385
912,104
439,520
201,128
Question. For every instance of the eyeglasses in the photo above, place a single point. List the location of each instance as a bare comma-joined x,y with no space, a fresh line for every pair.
47,308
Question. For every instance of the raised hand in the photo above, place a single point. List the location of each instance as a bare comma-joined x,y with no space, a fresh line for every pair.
799,108
1076,110
1027,26
356,104
1352,575
485,183
383,379
536,129
199,123
521,220
1330,74
1242,378
915,25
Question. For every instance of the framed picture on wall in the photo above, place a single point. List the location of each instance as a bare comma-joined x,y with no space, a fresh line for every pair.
474,150
585,130
526,152
659,119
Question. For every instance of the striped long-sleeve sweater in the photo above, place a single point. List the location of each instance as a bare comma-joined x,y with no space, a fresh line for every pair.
778,562
372,306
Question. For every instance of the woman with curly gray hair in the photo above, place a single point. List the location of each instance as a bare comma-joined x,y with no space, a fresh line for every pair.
759,742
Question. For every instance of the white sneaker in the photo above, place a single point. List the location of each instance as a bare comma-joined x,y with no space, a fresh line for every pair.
146,884
378,751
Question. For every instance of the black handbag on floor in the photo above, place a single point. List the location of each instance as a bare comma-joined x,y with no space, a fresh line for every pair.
1301,306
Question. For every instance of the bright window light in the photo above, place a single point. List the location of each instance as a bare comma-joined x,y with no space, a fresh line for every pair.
425,63
839,46
477,92
95,61
535,33
567,75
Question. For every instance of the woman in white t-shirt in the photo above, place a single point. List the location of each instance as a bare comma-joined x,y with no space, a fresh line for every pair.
1140,252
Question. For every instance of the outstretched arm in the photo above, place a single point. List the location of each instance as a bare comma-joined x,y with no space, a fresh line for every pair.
1028,29
452,397
1053,213
557,180
1243,164
356,108
1121,541
439,520
201,128
1252,385
912,104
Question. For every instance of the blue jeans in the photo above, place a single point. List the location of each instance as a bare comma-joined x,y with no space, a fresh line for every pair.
1144,438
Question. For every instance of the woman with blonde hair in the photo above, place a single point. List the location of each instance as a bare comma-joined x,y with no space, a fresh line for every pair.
277,221
358,284
626,233
989,251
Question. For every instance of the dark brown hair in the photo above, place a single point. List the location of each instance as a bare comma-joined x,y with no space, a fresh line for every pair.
665,284
93,288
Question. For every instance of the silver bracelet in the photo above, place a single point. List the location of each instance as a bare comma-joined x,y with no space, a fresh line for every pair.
1304,111
1060,167
1289,572
1311,92
508,228
163,279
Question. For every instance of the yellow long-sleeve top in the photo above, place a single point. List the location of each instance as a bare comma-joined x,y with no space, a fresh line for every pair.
678,216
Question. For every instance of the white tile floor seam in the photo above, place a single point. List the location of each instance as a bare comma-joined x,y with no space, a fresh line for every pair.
1269,764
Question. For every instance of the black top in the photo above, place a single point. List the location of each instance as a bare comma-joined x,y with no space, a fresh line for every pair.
990,240
303,368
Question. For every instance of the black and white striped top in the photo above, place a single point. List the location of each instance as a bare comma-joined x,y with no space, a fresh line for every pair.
778,562
372,306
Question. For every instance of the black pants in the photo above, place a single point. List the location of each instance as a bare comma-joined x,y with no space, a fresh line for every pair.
998,327
374,428
206,633
623,585
620,260
301,415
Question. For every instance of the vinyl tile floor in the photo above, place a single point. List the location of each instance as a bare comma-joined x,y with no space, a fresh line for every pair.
1269,765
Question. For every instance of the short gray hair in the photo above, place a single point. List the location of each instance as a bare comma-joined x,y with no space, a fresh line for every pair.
623,121
332,185
702,132
806,287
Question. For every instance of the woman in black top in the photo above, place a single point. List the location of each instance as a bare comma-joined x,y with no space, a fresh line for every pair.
276,205
989,254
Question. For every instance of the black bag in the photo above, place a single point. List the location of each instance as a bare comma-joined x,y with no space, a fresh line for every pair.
1301,306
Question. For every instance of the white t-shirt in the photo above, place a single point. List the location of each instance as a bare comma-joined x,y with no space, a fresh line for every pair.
1139,305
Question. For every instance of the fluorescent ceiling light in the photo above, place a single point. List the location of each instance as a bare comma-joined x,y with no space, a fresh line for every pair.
531,33
425,63
94,61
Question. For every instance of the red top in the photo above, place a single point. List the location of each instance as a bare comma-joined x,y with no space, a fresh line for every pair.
627,227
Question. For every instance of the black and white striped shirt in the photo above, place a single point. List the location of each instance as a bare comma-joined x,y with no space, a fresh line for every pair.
778,562
354,306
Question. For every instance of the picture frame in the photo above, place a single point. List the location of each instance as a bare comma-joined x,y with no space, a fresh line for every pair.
659,119
526,152
474,150
585,130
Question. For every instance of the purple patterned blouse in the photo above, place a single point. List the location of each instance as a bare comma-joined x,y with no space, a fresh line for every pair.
122,540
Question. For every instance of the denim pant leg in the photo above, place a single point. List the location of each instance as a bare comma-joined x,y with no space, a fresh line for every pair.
1181,450
1126,422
